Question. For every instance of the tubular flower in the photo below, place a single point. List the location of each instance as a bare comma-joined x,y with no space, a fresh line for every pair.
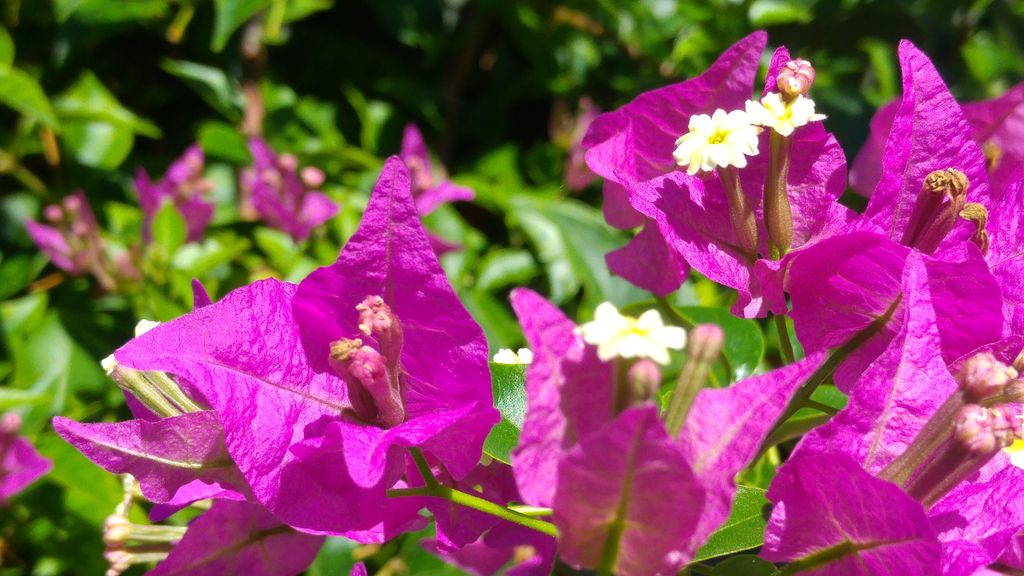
618,336
718,141
781,116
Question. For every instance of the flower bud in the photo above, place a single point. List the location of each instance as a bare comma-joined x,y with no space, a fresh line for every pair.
796,78
10,423
312,177
982,375
53,213
980,430
644,378
706,341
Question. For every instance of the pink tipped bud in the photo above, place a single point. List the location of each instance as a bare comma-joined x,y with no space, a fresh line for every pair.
53,213
312,177
981,430
645,378
796,78
79,228
705,342
982,376
288,162
10,423
73,204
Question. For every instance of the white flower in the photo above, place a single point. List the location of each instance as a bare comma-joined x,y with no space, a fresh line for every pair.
507,356
772,112
621,336
720,140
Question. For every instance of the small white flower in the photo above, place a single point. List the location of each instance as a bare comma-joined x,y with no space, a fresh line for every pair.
507,356
772,112
716,141
621,336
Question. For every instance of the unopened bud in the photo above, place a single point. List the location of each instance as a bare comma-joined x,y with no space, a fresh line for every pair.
795,78
312,177
10,423
53,213
706,342
645,379
704,345
982,375
288,162
980,430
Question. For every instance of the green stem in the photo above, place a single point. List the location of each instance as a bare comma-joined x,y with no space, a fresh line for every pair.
785,345
421,464
532,511
181,21
476,503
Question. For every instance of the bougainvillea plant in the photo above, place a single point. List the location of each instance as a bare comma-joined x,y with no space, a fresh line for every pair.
361,400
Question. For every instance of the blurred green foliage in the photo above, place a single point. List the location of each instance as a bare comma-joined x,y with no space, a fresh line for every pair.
92,89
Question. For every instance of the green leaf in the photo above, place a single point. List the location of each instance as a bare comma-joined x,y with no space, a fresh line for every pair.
508,384
503,268
572,239
744,565
231,14
18,271
110,11
221,140
212,85
744,341
279,247
775,12
169,231
494,316
744,529
21,92
99,130
6,48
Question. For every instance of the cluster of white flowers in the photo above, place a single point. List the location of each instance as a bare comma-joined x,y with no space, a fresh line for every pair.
725,139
